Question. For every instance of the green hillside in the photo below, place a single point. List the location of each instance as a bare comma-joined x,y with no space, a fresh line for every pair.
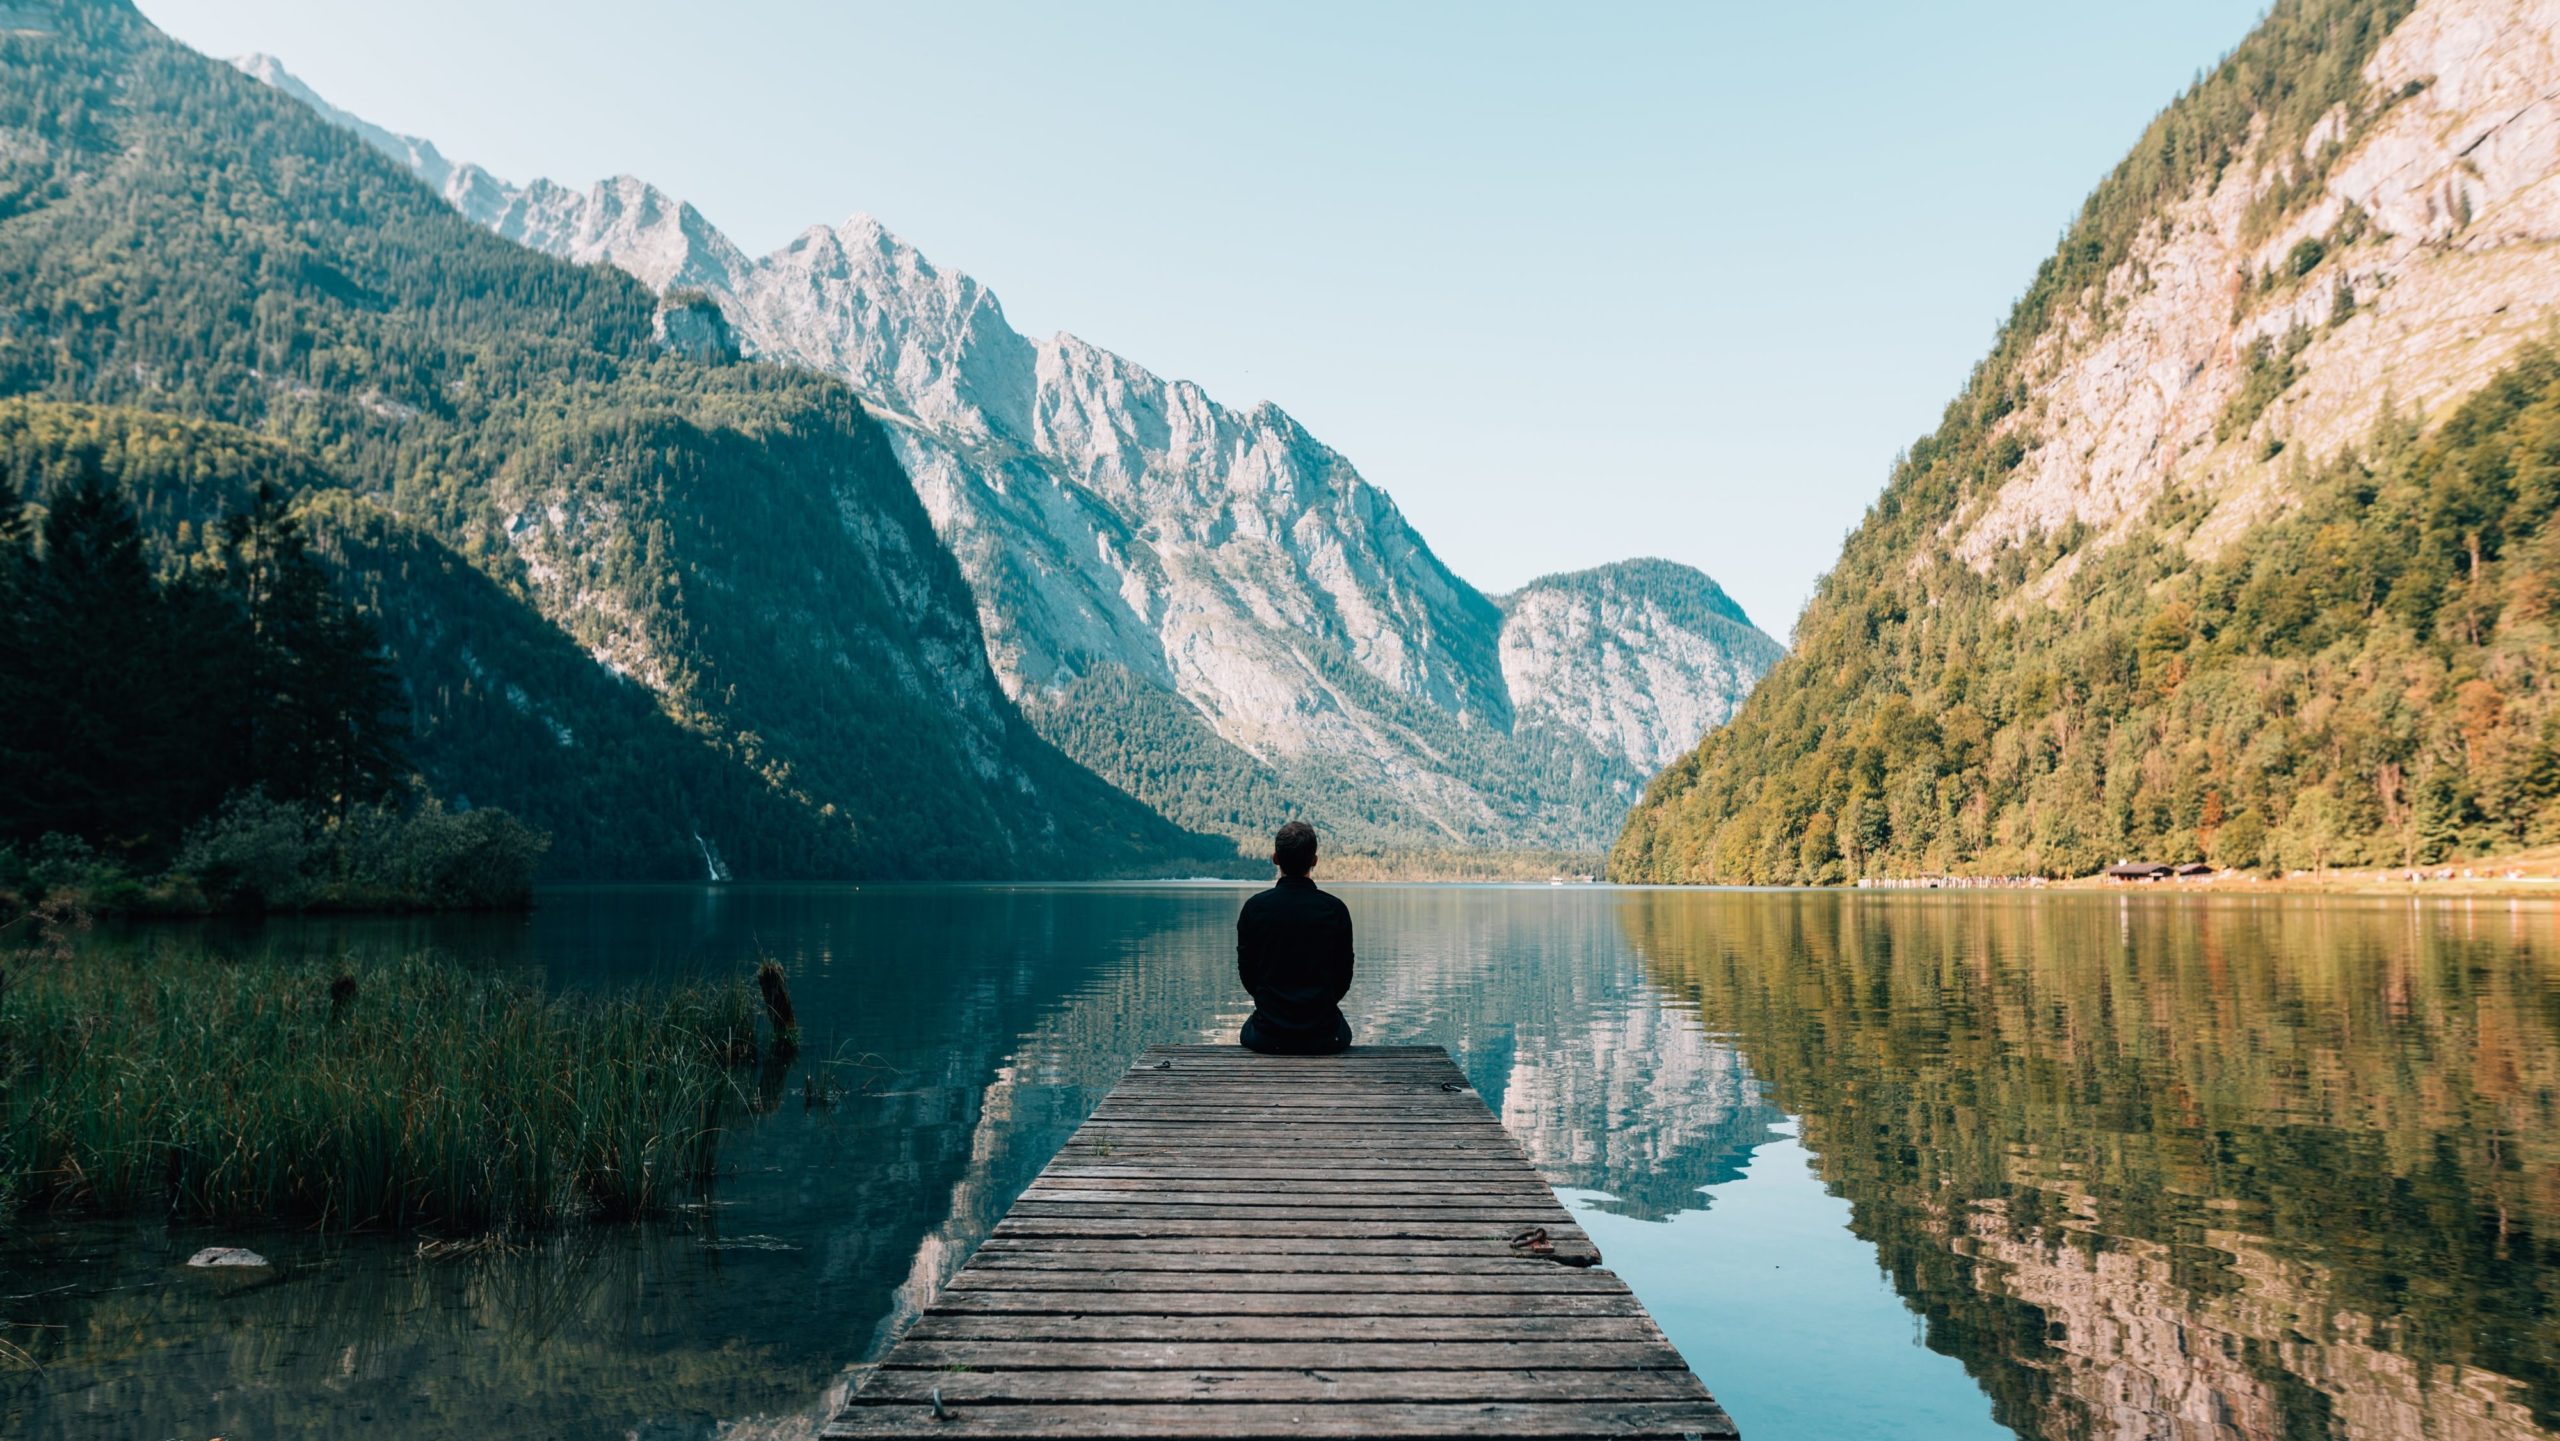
2365,677
634,597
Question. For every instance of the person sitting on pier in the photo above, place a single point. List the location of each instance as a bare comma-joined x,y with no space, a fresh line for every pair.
1293,953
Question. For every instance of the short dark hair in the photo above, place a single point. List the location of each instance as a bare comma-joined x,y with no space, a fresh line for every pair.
1293,850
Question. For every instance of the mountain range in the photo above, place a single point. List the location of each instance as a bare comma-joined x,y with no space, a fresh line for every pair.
688,615
2237,545
1206,606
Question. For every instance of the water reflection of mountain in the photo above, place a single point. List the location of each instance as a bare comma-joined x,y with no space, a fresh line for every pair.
2174,1169
1638,1103
1605,1087
1535,993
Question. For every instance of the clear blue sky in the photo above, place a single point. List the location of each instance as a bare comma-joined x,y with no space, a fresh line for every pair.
1572,282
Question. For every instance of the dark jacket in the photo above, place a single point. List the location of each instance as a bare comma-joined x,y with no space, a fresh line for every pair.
1293,953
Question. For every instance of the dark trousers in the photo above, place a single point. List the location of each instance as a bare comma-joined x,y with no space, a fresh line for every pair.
1279,1041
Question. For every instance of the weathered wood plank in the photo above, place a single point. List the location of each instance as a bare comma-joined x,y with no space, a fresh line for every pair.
1272,1190
1248,1246
1420,1228
1251,1421
938,1325
1243,1208
1356,1056
1186,1089
1384,1108
1225,1141
1337,1273
1187,1094
1288,1356
1214,1301
1310,1162
1145,1142
1283,1108
1173,1191
1156,1143
1222,1051
963,1388
1296,1179
1330,1123
1366,1177
1311,1248
1274,1071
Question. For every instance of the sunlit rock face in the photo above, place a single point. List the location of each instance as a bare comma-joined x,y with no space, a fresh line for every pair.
2433,231
1644,656
1110,520
695,329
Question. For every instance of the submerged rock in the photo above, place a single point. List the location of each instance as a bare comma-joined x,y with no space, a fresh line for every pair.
226,1256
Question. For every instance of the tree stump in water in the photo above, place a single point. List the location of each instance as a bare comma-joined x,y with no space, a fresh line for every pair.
777,1007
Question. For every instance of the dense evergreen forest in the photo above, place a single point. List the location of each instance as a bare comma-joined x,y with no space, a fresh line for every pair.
1160,750
2370,680
223,720
571,538
2367,679
2252,1139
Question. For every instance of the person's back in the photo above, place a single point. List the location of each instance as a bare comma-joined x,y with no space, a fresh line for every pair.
1293,953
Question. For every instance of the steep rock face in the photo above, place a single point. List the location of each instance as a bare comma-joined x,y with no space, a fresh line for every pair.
2429,234
694,327
1109,519
1118,529
1644,656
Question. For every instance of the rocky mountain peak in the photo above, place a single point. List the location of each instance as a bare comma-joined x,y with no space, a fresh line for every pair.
421,156
2254,327
1281,615
1645,655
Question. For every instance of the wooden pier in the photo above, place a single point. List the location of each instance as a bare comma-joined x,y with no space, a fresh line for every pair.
1256,1246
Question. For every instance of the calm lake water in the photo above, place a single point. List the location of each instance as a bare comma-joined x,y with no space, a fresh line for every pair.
1898,1165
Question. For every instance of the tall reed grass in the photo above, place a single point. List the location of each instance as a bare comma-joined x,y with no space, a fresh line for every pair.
416,1093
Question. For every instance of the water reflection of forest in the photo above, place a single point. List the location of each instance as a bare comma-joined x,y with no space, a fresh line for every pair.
2176,1169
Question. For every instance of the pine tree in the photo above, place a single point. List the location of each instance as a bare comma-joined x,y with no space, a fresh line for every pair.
18,699
94,700
324,727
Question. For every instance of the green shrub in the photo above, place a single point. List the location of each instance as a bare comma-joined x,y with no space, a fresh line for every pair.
254,854
2241,842
433,857
259,853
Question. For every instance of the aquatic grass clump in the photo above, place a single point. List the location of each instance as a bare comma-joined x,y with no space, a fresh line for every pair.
408,1094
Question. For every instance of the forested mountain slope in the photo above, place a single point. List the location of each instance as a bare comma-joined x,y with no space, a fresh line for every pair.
2235,545
636,596
1208,606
